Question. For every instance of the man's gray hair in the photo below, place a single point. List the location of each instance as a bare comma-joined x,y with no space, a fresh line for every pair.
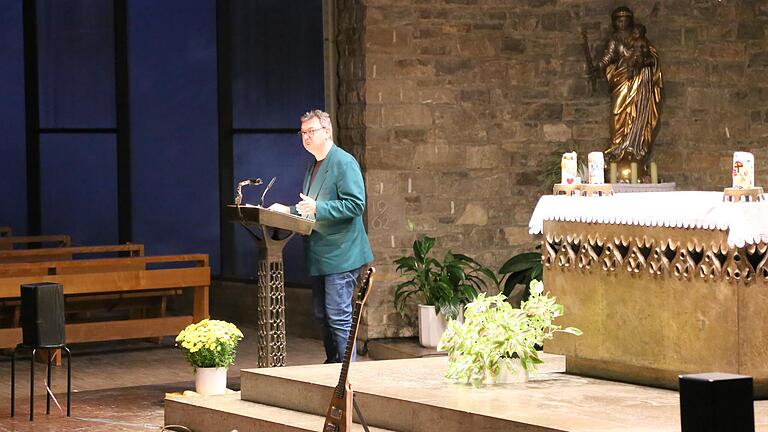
322,116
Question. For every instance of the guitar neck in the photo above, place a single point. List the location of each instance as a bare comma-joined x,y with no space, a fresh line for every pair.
340,387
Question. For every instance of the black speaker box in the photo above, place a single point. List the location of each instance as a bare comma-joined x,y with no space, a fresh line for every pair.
716,402
42,314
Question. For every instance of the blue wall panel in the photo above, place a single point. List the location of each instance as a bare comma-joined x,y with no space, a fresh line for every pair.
76,56
78,184
13,171
277,62
173,120
267,156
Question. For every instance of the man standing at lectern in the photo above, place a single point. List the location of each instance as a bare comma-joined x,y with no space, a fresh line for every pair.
334,195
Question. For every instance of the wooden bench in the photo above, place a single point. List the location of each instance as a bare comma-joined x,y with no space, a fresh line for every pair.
5,231
10,308
126,277
11,242
68,253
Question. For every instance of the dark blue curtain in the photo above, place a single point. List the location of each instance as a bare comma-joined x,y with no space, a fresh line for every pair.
174,126
78,182
13,170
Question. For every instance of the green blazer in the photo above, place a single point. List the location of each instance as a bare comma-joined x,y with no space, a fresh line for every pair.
338,242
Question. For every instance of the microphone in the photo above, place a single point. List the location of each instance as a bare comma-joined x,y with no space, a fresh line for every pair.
239,191
263,194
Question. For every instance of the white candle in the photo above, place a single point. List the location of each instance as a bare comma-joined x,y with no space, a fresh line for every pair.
596,164
743,170
612,174
568,168
633,172
654,173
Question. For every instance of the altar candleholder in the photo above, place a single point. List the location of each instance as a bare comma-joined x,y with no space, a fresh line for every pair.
747,194
654,173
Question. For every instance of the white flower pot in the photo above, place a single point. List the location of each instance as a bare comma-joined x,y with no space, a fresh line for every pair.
505,376
432,326
210,381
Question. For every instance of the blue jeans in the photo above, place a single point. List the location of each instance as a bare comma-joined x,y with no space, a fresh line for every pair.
332,307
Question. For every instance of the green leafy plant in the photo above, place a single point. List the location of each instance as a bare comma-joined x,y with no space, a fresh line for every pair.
521,269
209,343
493,330
445,284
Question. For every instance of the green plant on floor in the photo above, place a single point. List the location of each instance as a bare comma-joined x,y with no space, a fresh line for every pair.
210,343
520,269
493,331
446,284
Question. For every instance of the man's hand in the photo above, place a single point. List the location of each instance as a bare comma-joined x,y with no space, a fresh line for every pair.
279,208
307,206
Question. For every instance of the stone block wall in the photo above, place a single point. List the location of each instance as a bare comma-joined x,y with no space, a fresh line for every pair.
457,106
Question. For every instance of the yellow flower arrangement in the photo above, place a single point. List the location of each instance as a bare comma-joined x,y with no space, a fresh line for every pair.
210,343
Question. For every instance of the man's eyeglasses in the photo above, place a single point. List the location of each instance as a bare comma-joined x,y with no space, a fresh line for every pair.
309,133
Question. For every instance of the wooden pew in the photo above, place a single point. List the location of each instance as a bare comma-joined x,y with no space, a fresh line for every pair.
58,240
124,276
68,253
5,231
11,309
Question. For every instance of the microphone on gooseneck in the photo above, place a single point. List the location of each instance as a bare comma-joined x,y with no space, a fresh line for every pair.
266,189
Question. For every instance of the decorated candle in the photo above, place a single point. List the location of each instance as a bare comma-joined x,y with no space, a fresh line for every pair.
596,165
743,170
568,168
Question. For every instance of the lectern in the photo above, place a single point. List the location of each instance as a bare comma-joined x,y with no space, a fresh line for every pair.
271,230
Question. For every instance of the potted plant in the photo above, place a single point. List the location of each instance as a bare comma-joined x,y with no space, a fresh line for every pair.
520,269
496,337
210,347
442,287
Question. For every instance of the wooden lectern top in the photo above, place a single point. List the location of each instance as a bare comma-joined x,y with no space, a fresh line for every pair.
249,214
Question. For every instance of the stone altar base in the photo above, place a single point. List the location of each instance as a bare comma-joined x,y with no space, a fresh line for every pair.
411,395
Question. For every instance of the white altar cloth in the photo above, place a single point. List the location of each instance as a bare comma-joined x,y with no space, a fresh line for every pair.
746,222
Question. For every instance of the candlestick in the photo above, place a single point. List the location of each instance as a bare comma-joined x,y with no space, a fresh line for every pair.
633,172
654,173
612,172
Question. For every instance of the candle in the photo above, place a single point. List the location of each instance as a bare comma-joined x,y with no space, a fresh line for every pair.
596,165
633,172
612,175
654,173
568,168
743,170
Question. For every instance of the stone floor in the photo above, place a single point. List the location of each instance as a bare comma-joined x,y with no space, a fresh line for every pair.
121,386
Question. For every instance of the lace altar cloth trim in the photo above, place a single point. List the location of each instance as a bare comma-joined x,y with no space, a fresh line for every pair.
746,222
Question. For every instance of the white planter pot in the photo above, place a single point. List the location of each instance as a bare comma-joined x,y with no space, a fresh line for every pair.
210,381
507,376
432,326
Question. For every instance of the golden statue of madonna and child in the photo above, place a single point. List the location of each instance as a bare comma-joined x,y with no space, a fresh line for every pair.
631,65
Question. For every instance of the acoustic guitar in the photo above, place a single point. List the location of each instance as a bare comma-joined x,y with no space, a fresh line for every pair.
338,418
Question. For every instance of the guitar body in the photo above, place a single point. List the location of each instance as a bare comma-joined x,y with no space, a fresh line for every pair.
338,418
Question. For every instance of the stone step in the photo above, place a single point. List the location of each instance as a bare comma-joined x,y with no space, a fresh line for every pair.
228,412
404,395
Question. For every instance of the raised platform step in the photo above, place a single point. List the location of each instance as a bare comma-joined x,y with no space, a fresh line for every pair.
403,395
228,412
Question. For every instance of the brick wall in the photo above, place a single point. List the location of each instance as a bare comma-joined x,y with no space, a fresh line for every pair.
456,106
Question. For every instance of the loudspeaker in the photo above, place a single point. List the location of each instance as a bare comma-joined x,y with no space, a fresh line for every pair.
716,402
42,314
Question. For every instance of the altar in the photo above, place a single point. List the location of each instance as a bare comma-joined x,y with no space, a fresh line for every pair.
661,284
